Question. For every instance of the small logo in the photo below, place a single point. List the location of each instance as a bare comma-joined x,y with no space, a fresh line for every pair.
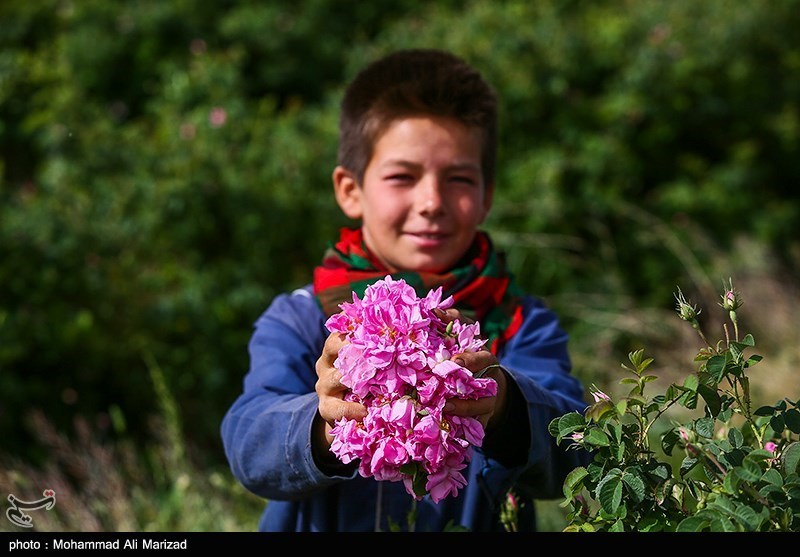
16,513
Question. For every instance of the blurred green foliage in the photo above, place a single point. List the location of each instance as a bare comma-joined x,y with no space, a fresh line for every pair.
165,170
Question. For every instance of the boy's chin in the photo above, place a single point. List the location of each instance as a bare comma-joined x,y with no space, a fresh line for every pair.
421,262
434,267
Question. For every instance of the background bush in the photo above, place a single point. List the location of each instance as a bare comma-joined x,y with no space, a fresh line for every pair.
165,172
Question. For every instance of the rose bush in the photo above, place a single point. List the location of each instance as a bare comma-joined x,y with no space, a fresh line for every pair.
739,470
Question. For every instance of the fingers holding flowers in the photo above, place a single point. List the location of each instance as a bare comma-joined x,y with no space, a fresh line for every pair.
329,388
452,314
482,364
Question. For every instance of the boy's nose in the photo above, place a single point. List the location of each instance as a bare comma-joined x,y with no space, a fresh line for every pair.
430,200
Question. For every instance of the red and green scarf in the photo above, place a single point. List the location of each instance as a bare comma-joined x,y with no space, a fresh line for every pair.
481,286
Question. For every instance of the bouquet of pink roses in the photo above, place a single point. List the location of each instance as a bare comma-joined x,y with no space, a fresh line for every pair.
397,364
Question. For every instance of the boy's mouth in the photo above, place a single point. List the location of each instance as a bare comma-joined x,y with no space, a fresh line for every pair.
428,239
432,236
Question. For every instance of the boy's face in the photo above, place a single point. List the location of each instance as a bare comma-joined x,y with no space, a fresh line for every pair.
423,195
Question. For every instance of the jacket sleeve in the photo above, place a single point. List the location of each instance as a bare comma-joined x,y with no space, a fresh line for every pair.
543,389
266,433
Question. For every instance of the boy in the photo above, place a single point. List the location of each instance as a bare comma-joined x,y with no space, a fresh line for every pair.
416,168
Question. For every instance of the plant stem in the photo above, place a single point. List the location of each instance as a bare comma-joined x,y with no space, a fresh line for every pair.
697,328
667,406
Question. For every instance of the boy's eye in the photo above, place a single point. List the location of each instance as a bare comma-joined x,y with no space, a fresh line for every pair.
463,179
400,177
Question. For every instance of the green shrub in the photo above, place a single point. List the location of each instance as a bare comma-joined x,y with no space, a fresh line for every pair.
741,465
135,225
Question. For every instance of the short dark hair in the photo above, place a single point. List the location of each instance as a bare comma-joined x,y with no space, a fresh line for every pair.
409,83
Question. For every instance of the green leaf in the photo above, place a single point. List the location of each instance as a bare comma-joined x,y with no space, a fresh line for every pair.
452,527
573,483
649,524
722,524
609,491
735,437
419,482
765,411
704,427
793,492
716,367
771,491
731,483
619,451
735,457
596,437
687,464
599,409
735,350
634,484
618,526
773,477
636,358
723,504
707,379
790,459
749,471
759,455
569,423
753,360
748,518
748,340
689,399
792,419
691,382
409,468
776,423
615,432
552,427
669,440
673,391
595,471
696,523
652,407
661,471
636,400
712,398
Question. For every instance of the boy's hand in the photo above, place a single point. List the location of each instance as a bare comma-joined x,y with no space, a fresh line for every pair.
332,406
488,410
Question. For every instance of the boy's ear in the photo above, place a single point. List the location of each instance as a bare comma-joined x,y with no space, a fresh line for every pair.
347,192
